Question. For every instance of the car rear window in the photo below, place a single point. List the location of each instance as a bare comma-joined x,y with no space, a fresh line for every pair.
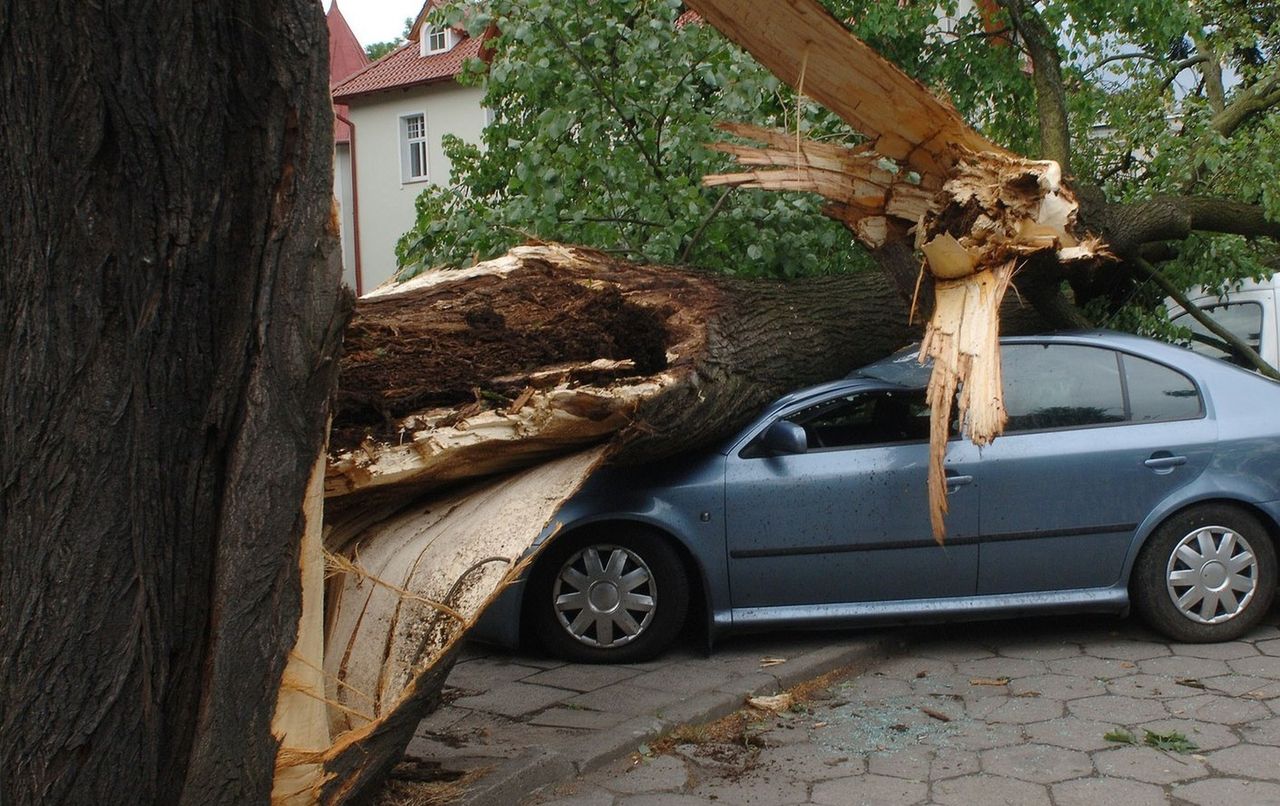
1158,393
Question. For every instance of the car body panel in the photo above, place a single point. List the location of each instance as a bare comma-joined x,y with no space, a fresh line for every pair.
1035,535
1052,522
805,529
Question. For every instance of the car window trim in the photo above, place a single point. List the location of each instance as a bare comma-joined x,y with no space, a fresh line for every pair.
1124,374
1124,387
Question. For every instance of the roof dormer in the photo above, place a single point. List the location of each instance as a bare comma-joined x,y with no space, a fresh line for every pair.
437,39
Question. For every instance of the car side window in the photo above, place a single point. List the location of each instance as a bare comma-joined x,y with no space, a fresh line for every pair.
866,418
1158,393
1048,386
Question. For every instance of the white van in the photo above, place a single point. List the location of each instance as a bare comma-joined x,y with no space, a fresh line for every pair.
1249,312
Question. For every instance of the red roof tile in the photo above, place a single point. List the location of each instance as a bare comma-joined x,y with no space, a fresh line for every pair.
345,54
403,67
687,18
345,58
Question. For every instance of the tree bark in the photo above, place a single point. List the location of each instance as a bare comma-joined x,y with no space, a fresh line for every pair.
169,289
1046,76
553,347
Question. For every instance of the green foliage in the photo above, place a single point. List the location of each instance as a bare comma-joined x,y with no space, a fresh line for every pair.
379,49
603,109
1170,740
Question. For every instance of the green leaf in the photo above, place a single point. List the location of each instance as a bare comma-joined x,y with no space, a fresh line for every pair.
1170,740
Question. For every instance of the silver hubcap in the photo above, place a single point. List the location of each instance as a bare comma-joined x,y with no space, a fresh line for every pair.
604,596
1212,575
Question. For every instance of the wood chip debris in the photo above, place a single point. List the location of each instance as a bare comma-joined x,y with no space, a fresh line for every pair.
988,681
768,661
775,703
938,715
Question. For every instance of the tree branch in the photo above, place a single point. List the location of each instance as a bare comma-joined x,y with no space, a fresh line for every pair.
1262,95
1197,313
1137,54
1212,72
1167,218
715,210
1051,96
1179,67
596,219
660,119
1040,281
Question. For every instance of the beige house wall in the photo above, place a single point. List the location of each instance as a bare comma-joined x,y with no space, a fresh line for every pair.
386,200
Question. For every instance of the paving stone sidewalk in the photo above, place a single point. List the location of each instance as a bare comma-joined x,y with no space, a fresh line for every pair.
521,721
1014,712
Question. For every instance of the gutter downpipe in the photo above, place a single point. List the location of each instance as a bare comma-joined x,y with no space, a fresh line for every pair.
355,205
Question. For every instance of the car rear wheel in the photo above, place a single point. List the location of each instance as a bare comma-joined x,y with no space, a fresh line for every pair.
615,594
1207,574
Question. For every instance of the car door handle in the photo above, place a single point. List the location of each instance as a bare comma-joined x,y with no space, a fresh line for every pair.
1165,461
956,482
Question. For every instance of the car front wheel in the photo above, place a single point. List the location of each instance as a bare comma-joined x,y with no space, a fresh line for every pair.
609,595
1207,574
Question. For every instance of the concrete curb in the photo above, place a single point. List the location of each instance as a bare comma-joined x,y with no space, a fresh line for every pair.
519,777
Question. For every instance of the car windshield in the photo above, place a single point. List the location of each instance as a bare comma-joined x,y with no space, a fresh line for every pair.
903,368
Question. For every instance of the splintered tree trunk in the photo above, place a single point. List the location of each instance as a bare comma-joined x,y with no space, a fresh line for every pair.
169,292
977,212
463,374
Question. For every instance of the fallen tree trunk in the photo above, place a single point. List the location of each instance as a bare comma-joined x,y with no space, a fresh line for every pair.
458,375
675,359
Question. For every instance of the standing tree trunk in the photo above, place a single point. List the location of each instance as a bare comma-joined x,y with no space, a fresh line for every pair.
169,292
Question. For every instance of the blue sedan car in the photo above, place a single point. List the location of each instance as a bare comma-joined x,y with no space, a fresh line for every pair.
1131,472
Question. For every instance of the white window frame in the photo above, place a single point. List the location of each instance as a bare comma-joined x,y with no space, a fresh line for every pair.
437,39
413,139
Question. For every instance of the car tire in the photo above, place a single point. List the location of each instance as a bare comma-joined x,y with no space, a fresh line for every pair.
582,610
1206,574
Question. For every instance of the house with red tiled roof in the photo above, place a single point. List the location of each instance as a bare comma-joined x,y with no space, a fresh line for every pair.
397,110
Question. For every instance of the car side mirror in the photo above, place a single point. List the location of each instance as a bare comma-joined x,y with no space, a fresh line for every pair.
784,436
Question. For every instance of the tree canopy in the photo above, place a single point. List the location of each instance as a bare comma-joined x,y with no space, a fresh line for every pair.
377,50
603,110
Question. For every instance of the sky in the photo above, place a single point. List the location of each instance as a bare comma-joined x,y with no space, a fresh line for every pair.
377,20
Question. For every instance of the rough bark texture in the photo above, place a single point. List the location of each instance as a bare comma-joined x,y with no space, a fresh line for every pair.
169,289
675,359
1046,75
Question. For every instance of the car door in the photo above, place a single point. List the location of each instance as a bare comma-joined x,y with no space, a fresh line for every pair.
1095,439
848,520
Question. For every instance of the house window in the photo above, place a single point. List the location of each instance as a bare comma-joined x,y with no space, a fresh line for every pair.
437,40
413,138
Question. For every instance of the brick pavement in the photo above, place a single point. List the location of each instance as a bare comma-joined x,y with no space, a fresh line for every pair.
1025,707
519,721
